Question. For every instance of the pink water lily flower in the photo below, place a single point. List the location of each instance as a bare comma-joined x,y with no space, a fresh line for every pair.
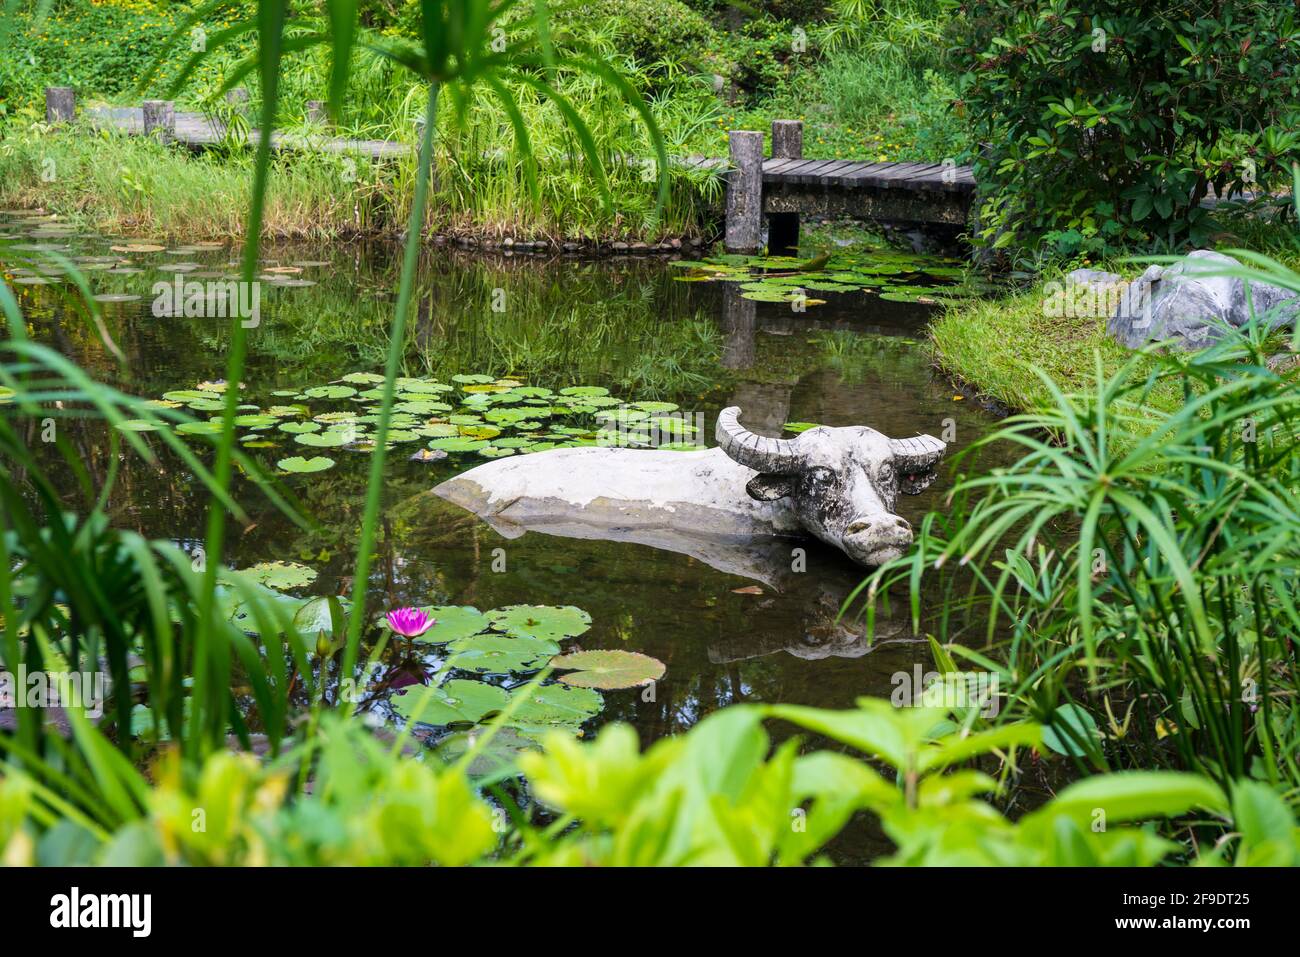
409,622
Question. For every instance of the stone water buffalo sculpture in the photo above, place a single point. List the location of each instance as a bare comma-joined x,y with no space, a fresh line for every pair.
839,485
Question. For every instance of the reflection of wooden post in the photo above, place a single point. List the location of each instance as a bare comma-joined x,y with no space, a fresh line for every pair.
60,104
745,192
738,315
160,119
787,139
783,228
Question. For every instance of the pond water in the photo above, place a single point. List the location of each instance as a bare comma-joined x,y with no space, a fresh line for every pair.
627,326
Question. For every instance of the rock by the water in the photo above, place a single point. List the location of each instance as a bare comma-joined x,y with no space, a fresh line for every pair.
1186,307
1093,277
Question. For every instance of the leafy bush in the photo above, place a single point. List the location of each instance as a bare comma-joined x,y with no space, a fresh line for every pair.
101,49
650,31
1108,122
719,795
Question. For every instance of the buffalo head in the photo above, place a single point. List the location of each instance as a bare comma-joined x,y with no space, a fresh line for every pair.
842,483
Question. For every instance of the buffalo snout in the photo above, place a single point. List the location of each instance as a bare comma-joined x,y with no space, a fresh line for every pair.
876,539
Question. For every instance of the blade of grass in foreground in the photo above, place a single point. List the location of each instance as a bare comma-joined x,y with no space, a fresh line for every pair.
397,336
212,656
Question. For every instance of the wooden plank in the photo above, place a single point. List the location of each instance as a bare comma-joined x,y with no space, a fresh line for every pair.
894,177
916,179
833,170
876,175
944,179
773,167
843,177
813,174
787,174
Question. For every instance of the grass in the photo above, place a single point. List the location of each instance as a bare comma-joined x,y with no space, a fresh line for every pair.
132,186
124,185
994,345
861,106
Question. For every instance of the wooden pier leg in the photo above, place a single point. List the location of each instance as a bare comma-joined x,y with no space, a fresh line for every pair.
60,104
783,228
160,120
745,192
787,139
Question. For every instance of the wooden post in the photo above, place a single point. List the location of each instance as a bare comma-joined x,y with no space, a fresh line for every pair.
787,139
60,104
316,112
433,152
238,98
160,119
745,192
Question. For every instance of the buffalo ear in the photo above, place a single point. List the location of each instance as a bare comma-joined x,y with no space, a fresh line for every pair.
766,487
915,460
914,483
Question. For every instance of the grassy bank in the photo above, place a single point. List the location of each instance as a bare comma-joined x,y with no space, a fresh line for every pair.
131,186
138,187
994,345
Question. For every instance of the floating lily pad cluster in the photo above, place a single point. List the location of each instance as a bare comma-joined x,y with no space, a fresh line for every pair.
471,414
892,275
488,648
55,249
509,642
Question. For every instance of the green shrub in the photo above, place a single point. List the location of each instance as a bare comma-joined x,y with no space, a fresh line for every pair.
650,31
1108,122
722,794
101,49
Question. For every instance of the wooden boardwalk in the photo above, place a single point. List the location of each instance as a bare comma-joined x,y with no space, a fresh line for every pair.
845,174
779,189
199,132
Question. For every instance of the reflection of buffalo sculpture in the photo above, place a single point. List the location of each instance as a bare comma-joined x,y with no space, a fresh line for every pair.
837,484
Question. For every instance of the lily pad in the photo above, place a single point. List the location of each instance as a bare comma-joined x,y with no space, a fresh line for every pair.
458,702
495,760
556,706
501,654
280,575
199,428
608,670
297,463
550,622
130,425
330,438
299,428
330,392
458,443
